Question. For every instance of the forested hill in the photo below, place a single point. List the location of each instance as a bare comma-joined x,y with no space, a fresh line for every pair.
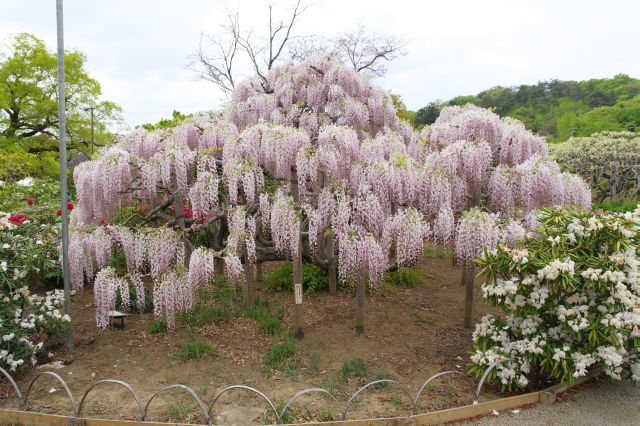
558,109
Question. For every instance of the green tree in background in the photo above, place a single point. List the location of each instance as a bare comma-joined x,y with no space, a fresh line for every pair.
401,109
29,104
176,118
558,109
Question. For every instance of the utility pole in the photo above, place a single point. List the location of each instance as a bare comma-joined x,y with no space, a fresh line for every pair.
90,108
63,173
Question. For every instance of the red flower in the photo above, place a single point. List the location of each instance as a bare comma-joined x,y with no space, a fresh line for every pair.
188,213
19,219
59,212
30,201
69,206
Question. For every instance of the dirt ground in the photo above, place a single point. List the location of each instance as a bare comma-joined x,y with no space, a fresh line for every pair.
410,335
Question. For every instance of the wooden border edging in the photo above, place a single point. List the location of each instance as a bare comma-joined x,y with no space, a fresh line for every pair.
548,395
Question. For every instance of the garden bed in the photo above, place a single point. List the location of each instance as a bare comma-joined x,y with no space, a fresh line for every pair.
410,335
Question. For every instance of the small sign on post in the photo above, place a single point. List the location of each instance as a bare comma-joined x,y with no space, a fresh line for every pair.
298,293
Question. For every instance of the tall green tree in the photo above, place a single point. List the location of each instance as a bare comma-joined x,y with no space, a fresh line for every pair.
29,101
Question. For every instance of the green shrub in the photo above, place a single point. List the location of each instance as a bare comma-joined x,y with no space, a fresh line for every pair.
157,326
616,206
195,349
353,367
281,278
17,165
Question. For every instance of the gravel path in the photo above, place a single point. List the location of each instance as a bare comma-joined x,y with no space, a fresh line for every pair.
599,403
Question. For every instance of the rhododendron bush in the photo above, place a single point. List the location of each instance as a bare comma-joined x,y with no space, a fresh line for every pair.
570,293
26,321
312,163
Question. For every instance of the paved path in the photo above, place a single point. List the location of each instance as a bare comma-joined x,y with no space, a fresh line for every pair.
601,403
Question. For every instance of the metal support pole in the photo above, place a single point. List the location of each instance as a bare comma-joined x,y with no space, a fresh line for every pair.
63,172
92,133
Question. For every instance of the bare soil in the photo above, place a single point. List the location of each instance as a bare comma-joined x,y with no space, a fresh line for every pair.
410,335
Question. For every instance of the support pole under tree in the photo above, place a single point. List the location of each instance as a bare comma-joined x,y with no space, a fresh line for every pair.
331,264
469,271
360,294
468,278
63,173
297,263
250,296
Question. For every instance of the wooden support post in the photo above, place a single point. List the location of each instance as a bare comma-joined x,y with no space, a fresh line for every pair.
360,295
470,275
250,296
331,267
297,263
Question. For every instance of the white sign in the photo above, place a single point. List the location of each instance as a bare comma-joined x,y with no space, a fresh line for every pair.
298,293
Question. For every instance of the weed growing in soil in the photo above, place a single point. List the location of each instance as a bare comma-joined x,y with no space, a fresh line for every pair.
271,326
313,365
157,326
353,367
326,415
395,399
195,349
278,354
380,375
287,417
331,384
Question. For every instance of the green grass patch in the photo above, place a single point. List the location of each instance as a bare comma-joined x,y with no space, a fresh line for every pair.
202,315
435,251
281,278
157,326
403,277
195,349
271,326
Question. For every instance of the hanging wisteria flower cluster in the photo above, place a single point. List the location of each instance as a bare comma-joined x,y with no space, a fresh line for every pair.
311,156
571,299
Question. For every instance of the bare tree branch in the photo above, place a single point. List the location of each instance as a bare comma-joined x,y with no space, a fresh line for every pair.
368,52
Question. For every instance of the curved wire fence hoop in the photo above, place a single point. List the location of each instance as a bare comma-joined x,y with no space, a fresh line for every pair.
435,376
476,397
201,406
304,392
376,382
14,384
62,382
115,382
250,389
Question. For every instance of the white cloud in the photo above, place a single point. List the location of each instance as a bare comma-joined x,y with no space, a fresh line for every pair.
138,49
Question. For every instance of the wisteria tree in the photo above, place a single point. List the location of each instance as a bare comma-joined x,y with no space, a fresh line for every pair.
310,163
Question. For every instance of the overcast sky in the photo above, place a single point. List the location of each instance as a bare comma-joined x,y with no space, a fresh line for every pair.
139,49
